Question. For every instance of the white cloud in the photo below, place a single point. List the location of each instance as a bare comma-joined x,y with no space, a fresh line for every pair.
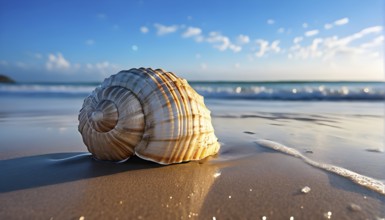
341,21
275,46
102,65
296,40
219,41
103,68
358,35
265,47
191,32
215,37
328,26
369,30
338,22
243,39
90,42
270,21
305,25
57,62
162,29
144,29
331,47
305,52
222,42
311,33
314,47
99,65
235,48
376,42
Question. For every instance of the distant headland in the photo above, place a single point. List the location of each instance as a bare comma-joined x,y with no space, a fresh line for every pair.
6,79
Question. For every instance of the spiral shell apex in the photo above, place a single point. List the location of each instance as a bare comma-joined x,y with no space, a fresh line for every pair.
151,113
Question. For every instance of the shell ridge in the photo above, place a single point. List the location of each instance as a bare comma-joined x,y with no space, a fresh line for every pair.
159,93
168,98
120,150
150,116
178,125
190,135
182,119
179,150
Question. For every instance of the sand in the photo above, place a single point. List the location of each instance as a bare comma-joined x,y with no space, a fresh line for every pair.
249,184
47,173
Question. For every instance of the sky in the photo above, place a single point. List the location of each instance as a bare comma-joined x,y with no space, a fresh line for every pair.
250,40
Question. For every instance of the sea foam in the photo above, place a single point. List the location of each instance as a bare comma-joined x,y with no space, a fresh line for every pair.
359,179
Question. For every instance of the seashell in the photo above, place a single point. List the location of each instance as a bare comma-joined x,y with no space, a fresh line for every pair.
150,113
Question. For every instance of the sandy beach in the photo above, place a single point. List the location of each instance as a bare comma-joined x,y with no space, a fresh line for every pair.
47,173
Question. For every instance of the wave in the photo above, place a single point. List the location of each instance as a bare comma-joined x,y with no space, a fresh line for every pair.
297,92
290,91
365,181
46,90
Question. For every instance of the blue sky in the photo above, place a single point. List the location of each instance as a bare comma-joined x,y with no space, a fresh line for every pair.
199,40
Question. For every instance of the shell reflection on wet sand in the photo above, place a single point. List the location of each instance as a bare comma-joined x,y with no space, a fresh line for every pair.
179,191
150,113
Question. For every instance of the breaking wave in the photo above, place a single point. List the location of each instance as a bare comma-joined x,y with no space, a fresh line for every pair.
289,91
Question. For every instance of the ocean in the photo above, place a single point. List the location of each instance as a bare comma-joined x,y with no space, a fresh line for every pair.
288,91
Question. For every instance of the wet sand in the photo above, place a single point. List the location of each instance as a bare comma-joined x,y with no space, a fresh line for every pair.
246,184
47,173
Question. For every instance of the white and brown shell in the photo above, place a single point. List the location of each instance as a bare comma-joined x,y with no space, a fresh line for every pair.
151,113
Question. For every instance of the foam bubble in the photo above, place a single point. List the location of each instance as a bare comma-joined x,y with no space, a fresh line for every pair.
359,179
